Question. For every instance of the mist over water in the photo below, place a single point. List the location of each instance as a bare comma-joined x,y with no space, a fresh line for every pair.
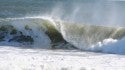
95,12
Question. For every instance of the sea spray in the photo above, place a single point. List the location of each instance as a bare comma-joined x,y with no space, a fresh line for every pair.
83,36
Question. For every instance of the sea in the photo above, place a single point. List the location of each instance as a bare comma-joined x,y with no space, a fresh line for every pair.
42,34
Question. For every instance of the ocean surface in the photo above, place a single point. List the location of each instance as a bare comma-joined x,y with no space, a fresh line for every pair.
61,26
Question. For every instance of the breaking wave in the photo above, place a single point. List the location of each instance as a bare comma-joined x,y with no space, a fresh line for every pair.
48,33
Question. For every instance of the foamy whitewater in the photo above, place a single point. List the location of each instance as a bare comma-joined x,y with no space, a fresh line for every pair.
62,35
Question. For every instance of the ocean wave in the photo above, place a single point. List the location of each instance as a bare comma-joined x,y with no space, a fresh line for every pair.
44,32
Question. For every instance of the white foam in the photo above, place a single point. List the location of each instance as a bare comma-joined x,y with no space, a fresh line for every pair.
110,46
34,59
41,40
116,47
